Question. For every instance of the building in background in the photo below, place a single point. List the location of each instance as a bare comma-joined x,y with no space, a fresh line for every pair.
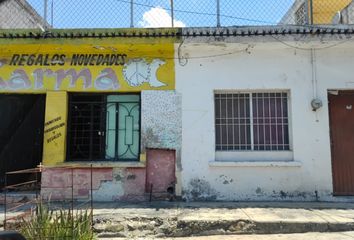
18,14
305,12
345,16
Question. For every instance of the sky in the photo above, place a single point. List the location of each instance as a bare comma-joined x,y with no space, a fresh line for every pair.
157,13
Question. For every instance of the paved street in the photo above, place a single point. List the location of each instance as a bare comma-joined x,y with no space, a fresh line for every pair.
305,236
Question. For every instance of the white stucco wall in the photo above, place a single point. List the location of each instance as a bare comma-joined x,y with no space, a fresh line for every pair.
266,65
160,120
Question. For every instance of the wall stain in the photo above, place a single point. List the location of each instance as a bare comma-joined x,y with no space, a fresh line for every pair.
283,194
200,190
148,138
293,195
225,179
131,177
118,178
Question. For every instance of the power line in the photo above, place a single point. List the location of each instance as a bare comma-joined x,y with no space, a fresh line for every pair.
233,17
198,13
310,48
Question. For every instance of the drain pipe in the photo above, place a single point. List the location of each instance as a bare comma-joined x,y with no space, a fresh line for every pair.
316,103
314,73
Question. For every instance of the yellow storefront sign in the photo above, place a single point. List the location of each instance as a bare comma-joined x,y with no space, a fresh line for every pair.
78,66
54,142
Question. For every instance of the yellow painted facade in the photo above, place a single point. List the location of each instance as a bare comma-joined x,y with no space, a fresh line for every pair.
54,150
325,10
78,66
57,67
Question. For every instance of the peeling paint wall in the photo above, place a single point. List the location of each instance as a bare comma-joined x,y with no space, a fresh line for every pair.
160,129
113,183
161,124
260,64
134,184
108,184
64,183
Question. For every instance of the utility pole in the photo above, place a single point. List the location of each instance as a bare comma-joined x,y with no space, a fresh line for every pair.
45,15
172,15
218,13
131,13
311,12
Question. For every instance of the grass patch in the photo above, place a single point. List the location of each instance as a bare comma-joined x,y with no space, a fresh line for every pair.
44,224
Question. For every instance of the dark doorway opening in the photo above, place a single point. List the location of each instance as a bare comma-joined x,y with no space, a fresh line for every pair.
21,134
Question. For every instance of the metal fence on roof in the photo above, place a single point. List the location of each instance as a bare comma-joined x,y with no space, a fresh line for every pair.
64,14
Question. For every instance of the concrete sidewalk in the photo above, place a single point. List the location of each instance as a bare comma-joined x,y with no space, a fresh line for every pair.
180,219
165,219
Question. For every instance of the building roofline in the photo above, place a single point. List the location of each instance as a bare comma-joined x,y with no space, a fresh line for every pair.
92,33
180,32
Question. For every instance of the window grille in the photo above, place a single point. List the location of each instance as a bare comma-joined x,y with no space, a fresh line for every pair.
104,127
252,121
300,15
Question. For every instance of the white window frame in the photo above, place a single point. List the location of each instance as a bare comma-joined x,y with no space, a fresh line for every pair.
255,155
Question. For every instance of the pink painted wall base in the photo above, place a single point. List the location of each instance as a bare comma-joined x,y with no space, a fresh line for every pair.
113,184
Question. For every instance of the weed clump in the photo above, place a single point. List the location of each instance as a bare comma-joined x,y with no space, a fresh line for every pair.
44,223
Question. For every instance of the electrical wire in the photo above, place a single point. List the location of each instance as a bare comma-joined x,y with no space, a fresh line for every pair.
197,13
310,48
235,17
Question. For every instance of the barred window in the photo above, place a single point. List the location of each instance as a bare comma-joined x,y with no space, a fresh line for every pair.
104,127
252,121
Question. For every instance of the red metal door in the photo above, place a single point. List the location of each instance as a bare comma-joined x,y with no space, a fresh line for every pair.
160,171
341,108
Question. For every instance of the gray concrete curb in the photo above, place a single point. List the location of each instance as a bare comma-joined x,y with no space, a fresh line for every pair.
136,221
